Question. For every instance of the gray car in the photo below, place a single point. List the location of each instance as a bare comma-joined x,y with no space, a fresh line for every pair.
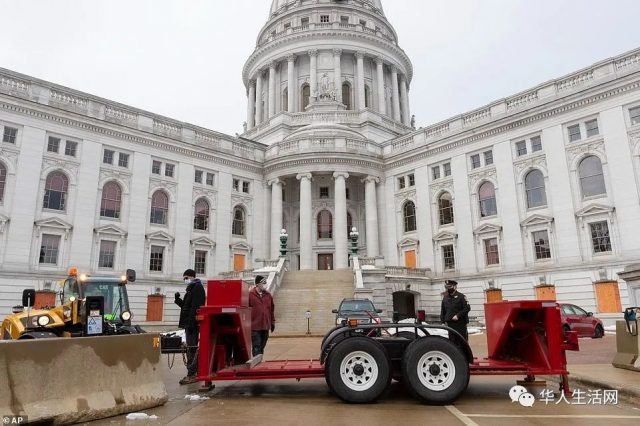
361,309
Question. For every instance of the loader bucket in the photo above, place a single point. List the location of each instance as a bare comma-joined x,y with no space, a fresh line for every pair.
69,380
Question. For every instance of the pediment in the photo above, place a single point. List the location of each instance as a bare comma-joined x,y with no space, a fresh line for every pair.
203,241
487,228
53,222
408,242
445,235
110,230
594,209
536,219
240,245
159,236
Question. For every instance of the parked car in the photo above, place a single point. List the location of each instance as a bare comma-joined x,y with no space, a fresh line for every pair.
577,319
360,309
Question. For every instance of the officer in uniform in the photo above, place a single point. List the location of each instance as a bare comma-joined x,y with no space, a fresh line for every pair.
455,309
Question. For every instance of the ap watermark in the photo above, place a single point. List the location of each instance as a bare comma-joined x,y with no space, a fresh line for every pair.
525,398
15,420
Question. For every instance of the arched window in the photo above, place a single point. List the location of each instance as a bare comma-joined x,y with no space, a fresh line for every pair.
487,196
201,215
3,180
409,213
325,224
55,191
159,208
445,209
111,200
346,95
534,185
367,96
349,223
285,99
306,94
238,227
591,177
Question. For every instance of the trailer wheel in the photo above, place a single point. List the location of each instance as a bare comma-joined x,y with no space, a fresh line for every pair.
435,370
358,370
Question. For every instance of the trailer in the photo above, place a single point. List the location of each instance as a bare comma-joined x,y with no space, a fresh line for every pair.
525,338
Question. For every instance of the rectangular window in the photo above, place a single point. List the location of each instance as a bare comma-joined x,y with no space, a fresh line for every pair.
107,156
634,116
592,128
412,180
536,144
344,20
363,22
521,148
541,245
155,167
401,182
245,187
200,262
107,254
236,185
447,169
600,237
324,192
210,179
70,148
155,259
168,169
491,251
53,145
9,135
49,249
304,22
448,258
574,133
488,158
123,160
198,176
324,19
435,172
475,161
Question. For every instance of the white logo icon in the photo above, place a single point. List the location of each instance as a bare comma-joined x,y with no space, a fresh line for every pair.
527,400
516,391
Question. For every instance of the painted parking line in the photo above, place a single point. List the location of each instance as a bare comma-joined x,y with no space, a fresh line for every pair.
461,416
543,416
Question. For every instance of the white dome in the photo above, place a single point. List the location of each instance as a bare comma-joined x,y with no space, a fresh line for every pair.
276,5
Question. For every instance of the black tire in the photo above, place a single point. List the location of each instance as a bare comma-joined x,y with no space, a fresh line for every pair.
599,332
358,370
435,370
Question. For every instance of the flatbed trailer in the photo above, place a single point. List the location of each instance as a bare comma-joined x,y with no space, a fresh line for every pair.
358,361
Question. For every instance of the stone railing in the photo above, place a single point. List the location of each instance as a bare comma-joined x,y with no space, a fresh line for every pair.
274,279
408,272
574,80
245,273
357,272
13,85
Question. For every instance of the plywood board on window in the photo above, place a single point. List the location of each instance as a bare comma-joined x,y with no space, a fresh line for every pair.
238,262
155,307
608,297
493,295
546,292
410,259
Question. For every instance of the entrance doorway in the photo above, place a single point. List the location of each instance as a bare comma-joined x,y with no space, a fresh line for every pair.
404,305
325,262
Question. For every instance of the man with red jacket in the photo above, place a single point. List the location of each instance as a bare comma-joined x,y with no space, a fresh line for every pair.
262,315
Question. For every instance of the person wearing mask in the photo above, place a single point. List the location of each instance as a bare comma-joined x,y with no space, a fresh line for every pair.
263,317
455,309
194,297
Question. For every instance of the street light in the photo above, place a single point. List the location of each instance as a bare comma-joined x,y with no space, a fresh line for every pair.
283,242
354,234
308,315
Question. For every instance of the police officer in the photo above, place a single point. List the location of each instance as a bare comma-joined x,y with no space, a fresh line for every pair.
455,309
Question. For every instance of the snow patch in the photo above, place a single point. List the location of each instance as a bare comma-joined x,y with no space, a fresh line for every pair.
196,397
141,416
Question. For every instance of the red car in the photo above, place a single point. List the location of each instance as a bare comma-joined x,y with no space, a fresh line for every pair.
577,319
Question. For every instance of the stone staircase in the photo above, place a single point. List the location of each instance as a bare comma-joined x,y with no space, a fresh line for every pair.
318,291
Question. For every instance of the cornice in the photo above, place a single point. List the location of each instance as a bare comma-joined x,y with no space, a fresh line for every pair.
154,143
324,162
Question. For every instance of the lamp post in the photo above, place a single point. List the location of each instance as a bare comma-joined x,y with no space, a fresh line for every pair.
283,242
308,315
354,234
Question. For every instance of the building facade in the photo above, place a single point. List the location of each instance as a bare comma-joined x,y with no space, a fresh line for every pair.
535,195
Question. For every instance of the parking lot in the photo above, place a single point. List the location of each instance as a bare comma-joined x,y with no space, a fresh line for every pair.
288,402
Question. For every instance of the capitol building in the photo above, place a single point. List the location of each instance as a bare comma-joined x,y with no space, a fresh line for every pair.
533,196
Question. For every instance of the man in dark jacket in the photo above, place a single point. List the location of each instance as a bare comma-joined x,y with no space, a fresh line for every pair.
194,297
262,315
455,309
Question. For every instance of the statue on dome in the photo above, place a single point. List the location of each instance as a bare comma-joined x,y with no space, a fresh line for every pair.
327,91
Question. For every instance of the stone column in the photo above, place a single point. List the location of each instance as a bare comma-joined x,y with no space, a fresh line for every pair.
371,215
382,105
340,237
276,216
360,70
272,89
313,72
291,60
306,254
337,73
251,105
404,95
395,97
259,98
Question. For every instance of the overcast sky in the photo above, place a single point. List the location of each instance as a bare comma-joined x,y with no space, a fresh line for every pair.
184,58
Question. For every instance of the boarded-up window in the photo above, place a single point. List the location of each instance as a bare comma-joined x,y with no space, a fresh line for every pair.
546,292
608,296
410,258
155,307
493,295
